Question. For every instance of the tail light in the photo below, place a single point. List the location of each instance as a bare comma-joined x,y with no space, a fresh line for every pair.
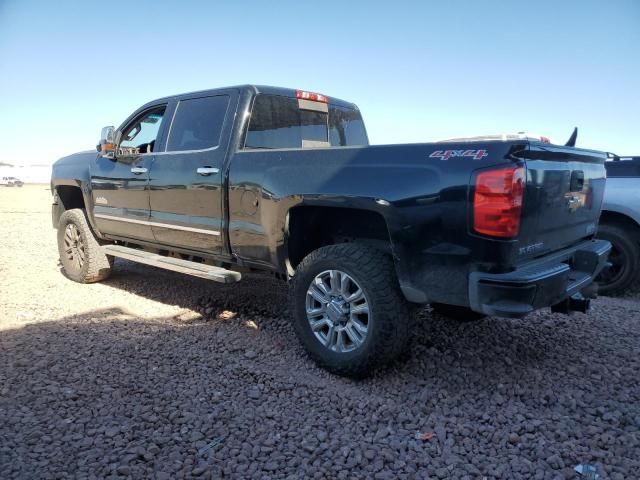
497,202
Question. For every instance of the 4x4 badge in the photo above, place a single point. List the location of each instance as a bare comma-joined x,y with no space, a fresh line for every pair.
447,154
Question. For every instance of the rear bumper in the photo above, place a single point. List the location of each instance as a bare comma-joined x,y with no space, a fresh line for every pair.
538,284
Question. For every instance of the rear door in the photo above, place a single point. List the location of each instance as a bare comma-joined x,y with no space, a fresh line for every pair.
563,198
186,181
119,185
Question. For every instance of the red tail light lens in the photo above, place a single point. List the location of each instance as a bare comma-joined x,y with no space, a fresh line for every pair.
497,202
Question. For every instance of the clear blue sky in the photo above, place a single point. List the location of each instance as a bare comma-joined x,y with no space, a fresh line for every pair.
420,71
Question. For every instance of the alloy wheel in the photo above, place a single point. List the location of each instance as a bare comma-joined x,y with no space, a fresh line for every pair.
74,246
338,311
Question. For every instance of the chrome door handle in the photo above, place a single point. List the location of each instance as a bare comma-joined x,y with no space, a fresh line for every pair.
207,170
138,170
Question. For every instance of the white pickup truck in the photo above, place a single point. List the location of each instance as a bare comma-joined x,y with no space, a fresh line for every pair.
620,224
11,182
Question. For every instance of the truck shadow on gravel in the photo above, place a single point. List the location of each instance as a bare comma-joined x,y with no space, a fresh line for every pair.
506,348
105,392
257,294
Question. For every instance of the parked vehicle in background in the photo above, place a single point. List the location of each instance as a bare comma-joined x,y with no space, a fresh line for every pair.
284,181
620,224
11,182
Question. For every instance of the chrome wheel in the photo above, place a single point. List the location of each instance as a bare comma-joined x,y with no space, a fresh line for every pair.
338,311
74,247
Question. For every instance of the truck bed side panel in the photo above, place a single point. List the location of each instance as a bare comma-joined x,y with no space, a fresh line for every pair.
426,216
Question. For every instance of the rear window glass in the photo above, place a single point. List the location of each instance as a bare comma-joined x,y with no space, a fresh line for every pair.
197,123
313,125
279,122
346,127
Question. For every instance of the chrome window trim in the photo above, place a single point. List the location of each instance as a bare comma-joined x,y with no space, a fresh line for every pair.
297,149
180,152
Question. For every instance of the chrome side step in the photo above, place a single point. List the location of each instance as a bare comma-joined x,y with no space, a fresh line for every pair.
217,274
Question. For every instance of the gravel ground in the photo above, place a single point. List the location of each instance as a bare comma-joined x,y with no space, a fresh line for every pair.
153,374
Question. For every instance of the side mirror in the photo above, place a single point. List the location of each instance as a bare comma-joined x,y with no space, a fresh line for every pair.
107,145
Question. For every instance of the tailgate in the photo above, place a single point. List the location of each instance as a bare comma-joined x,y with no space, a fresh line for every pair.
562,199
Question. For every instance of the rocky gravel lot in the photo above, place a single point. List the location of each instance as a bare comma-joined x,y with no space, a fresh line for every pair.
153,374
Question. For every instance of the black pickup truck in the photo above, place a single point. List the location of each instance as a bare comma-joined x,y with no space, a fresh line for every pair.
216,182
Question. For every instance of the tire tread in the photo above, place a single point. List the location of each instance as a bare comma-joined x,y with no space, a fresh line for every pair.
98,265
391,309
615,232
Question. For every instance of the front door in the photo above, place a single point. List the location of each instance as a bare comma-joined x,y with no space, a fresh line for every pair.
120,184
185,180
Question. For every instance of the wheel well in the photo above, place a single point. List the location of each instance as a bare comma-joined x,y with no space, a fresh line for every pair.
310,228
70,197
621,219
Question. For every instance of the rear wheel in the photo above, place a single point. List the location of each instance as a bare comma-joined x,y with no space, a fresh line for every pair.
80,254
456,312
624,259
347,308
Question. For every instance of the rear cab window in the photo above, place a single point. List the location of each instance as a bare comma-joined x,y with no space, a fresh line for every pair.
284,122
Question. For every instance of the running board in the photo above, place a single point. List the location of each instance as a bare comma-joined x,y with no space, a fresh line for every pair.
217,274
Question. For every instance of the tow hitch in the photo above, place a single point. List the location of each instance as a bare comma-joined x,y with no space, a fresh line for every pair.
575,303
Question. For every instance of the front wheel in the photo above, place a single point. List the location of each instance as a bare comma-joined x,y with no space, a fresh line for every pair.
80,254
347,308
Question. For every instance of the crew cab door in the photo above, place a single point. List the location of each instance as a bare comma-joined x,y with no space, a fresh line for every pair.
119,184
186,180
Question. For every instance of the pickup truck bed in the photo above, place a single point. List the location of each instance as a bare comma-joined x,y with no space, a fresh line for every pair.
290,185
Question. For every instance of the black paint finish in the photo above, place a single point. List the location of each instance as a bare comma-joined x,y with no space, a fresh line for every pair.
425,202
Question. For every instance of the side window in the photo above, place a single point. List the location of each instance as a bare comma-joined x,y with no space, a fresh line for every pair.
197,123
141,135
279,122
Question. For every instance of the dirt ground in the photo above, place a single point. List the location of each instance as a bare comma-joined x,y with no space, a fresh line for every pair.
153,374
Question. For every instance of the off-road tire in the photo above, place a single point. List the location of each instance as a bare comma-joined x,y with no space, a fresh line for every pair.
456,312
625,248
96,266
390,313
